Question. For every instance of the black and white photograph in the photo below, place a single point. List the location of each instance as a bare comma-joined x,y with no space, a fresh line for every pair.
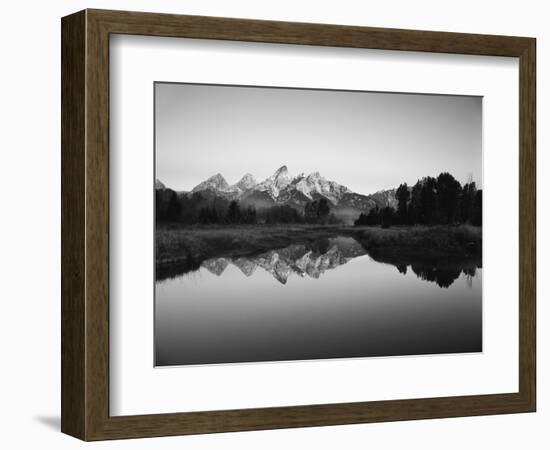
265,225
309,224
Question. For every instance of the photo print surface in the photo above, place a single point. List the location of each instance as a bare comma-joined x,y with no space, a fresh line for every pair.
303,224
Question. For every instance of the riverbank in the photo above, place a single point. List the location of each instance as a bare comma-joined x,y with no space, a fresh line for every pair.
192,245
422,243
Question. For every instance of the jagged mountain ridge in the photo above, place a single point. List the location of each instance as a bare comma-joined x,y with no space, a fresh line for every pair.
281,188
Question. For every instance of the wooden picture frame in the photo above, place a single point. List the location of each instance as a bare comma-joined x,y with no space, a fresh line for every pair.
85,224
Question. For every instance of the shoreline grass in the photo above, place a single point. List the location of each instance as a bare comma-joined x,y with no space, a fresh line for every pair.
194,244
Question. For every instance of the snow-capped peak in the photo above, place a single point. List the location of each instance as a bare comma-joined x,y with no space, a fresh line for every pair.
276,182
281,177
278,186
215,182
245,183
159,184
314,183
281,171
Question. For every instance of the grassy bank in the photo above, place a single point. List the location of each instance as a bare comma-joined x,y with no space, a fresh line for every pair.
424,242
192,245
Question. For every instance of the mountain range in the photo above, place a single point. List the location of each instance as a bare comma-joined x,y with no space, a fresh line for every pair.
281,188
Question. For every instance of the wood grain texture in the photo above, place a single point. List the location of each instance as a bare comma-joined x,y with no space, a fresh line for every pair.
151,24
527,224
85,224
97,225
73,108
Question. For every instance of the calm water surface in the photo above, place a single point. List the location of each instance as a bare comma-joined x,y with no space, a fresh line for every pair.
330,300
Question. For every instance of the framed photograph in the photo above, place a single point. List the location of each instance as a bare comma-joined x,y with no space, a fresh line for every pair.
272,224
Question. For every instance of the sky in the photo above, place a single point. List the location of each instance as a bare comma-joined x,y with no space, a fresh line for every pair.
367,141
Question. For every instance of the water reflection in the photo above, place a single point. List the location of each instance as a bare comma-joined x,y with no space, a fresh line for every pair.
329,298
311,260
325,299
315,258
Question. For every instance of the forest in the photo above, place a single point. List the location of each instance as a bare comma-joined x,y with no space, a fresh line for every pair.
430,201
199,208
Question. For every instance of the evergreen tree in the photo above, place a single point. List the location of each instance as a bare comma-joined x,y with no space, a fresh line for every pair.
249,215
386,216
233,215
317,211
282,214
370,219
466,202
323,210
402,195
477,215
413,210
167,205
428,201
448,193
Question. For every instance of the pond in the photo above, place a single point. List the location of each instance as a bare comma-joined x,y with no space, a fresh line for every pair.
327,299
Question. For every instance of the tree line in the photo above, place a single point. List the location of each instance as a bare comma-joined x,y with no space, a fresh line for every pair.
314,212
440,200
431,201
198,208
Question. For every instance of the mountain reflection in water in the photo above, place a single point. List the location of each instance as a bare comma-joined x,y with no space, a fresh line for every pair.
328,298
315,258
301,260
